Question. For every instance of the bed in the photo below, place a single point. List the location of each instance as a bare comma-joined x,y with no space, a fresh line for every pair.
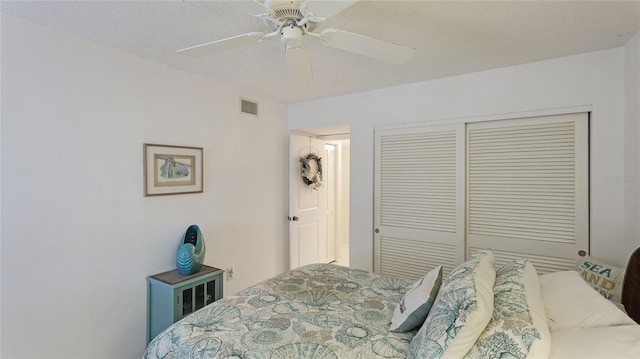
327,311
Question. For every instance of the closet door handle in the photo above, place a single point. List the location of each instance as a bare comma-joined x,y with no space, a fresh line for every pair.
294,218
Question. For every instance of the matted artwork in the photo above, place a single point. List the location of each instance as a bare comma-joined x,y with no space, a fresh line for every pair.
172,169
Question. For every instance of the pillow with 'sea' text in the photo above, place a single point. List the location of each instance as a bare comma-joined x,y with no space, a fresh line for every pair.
603,277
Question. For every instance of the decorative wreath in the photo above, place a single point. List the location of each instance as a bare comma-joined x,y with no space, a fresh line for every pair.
311,170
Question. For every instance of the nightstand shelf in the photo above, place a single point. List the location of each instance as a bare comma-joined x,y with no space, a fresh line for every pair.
172,296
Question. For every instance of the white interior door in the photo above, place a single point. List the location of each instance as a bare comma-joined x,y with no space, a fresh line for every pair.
307,206
419,200
528,189
519,187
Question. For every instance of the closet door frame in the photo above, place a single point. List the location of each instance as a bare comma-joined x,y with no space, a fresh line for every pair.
464,253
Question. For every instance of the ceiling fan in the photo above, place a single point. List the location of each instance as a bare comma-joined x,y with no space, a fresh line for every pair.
293,19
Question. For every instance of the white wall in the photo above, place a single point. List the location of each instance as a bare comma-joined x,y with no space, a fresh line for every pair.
594,79
78,237
632,143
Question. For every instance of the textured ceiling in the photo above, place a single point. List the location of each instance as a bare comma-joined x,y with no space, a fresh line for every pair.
451,37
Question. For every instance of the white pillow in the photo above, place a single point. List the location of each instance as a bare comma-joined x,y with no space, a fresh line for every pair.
518,328
413,308
460,313
571,303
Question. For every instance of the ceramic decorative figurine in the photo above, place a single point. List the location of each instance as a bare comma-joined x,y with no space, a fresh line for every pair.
191,251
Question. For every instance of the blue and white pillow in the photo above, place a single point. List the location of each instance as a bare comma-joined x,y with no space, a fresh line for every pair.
414,307
518,328
460,313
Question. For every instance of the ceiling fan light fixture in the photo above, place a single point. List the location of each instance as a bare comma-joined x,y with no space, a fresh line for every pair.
291,36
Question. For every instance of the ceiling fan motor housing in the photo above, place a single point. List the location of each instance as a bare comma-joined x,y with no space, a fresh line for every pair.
283,4
286,12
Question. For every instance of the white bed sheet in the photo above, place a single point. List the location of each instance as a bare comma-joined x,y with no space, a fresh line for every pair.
615,342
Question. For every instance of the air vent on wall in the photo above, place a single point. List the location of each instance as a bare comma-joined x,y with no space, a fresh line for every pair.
248,106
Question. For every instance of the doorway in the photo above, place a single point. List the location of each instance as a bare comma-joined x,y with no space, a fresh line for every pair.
339,152
328,241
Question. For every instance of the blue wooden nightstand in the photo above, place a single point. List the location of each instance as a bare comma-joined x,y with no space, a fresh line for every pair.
172,296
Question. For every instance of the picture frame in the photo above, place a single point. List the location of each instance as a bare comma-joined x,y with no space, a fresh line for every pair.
172,169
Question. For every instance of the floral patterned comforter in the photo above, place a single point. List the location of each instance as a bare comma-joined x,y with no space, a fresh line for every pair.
319,311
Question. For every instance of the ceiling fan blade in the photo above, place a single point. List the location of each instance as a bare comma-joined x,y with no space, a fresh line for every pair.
257,7
299,64
367,46
326,9
223,45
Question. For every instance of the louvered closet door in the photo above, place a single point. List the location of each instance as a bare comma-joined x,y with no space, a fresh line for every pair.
419,200
528,189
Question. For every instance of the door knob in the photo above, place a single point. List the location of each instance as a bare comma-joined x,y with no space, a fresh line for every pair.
294,218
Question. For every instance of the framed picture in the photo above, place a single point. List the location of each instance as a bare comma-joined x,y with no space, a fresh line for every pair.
172,169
